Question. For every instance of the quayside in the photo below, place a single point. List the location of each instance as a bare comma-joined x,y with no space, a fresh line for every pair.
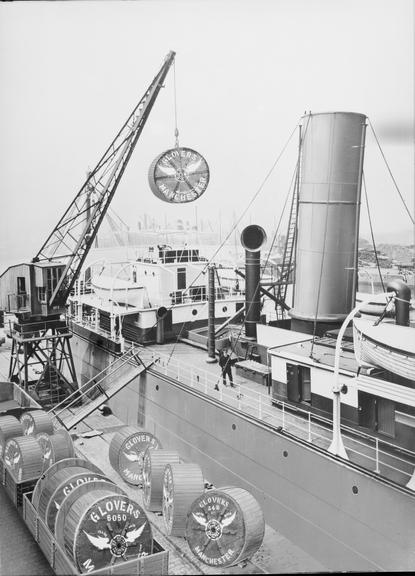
345,517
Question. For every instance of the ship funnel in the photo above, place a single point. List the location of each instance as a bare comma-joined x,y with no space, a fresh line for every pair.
402,302
253,237
331,166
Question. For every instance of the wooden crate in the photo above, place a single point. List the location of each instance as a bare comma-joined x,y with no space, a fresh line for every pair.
254,371
15,490
156,564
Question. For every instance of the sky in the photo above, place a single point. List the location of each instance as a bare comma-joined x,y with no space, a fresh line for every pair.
71,72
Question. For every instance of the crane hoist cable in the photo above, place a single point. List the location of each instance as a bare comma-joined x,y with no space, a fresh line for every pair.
371,231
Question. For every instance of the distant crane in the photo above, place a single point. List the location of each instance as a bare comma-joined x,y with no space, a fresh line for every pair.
36,292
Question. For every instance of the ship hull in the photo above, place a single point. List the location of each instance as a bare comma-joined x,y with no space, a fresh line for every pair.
347,519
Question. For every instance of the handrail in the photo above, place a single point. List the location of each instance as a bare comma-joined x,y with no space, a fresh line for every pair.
299,422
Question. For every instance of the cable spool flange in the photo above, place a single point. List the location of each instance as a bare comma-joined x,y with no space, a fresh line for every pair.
182,483
55,447
73,496
178,175
23,458
36,421
10,427
61,464
126,453
155,462
225,526
62,484
103,528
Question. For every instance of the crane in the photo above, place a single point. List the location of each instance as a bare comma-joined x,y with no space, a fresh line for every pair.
36,292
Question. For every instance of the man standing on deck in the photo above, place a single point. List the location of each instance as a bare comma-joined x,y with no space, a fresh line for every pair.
225,364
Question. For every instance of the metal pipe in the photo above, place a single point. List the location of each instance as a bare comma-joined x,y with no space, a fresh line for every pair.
252,239
211,315
402,302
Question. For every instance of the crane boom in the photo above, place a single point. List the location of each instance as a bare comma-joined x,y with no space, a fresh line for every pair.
74,234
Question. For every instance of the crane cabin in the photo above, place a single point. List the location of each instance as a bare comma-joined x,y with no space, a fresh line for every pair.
26,289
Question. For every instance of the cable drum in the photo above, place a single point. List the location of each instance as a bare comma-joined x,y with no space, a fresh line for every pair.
64,480
52,470
55,447
23,458
63,483
155,462
225,527
73,496
104,528
126,453
36,421
10,427
178,175
182,483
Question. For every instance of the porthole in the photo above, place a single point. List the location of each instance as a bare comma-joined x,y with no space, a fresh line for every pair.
194,312
233,426
355,489
157,386
145,272
285,453
225,309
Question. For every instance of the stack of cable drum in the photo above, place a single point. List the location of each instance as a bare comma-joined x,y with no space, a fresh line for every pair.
29,446
223,527
92,519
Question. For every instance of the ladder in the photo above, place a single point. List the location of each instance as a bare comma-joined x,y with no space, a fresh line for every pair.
101,388
288,262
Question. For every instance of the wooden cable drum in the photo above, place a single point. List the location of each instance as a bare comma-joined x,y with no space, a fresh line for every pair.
61,484
182,483
225,526
47,474
23,458
103,528
73,496
10,427
155,462
61,479
36,421
55,447
126,453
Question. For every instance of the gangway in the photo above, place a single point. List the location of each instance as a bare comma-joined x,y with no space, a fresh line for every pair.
101,388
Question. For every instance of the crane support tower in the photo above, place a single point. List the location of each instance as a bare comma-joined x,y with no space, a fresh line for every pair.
36,292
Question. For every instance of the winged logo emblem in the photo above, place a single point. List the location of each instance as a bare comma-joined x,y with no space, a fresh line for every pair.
132,456
11,462
190,168
168,170
99,542
132,535
214,528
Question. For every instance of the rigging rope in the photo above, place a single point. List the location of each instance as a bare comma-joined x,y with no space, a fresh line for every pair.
176,129
371,231
235,224
391,175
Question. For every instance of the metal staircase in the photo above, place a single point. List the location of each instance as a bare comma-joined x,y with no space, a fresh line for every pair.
101,387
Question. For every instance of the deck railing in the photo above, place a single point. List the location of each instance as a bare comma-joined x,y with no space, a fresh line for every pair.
369,452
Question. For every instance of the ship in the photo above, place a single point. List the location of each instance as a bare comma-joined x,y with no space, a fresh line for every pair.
350,509
338,486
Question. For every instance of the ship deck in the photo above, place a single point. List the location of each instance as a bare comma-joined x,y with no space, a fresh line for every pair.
22,556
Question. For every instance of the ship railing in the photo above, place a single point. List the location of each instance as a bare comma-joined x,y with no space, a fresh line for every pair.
369,452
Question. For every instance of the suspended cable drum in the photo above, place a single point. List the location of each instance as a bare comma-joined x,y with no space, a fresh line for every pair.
73,496
10,427
104,528
182,483
47,474
155,462
225,526
126,453
36,421
55,447
179,175
23,458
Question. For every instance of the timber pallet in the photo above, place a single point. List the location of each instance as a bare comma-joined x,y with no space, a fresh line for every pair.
15,489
